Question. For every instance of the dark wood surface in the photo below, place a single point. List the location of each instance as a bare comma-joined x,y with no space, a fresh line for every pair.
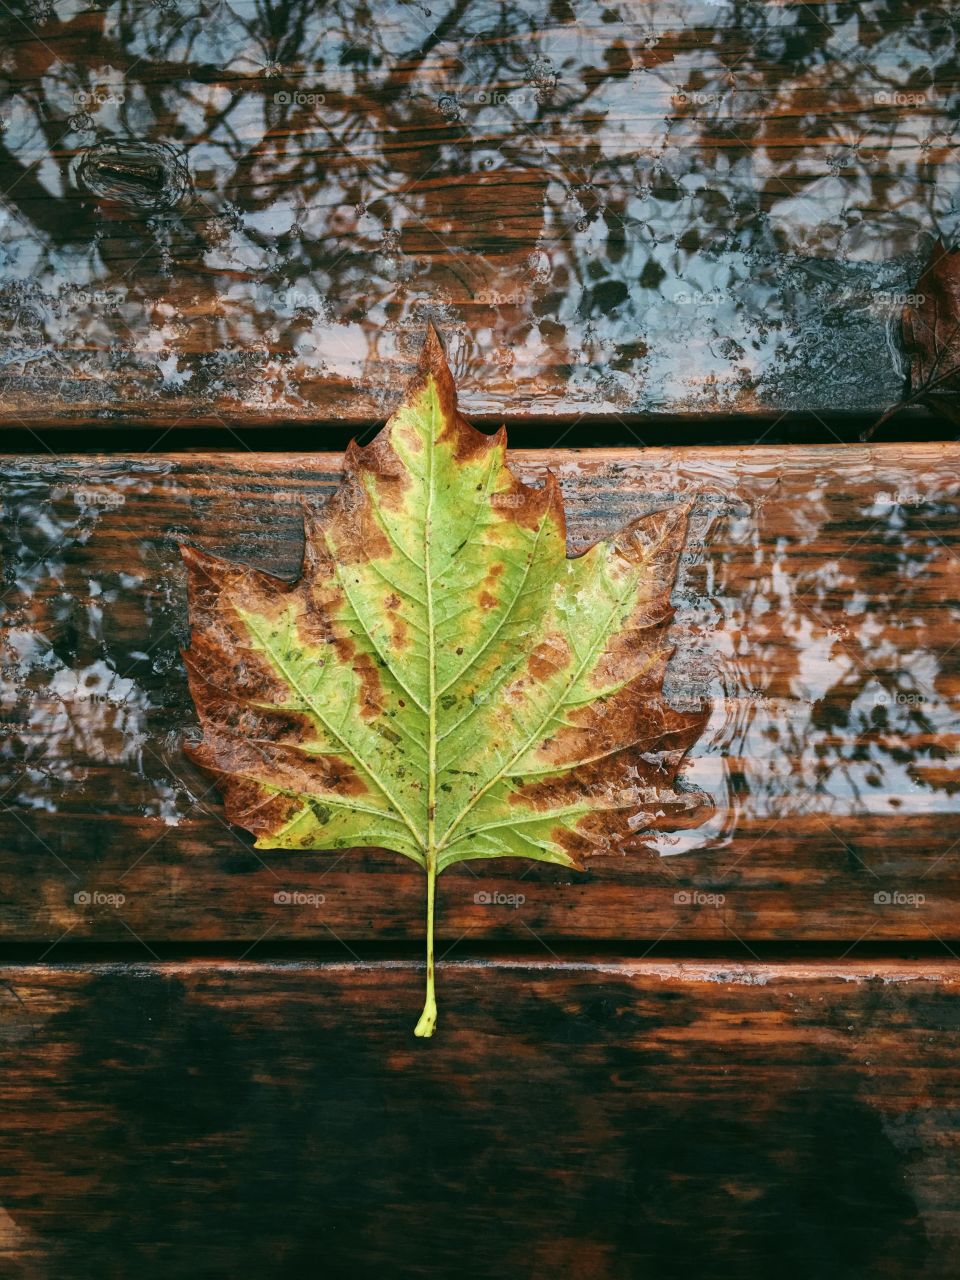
816,611
238,214
607,1121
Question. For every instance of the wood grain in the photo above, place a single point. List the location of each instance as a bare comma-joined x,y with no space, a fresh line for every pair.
817,607
688,207
604,1121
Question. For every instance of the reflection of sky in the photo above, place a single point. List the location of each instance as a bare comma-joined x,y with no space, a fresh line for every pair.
72,696
806,614
702,205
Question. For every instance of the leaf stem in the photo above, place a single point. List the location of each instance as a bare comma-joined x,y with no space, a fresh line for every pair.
428,1019
907,401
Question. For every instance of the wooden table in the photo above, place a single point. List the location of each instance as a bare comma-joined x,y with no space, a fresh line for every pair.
668,244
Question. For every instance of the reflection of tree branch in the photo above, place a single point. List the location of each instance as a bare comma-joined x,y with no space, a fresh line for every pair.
444,27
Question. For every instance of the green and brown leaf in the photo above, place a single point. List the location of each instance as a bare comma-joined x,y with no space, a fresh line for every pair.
442,680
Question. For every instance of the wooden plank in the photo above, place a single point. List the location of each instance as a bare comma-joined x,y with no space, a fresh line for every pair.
817,605
658,208
574,1120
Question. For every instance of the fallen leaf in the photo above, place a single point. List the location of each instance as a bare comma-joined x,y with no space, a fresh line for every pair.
931,336
442,680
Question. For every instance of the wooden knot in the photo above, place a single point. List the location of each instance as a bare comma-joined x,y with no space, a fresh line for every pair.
146,176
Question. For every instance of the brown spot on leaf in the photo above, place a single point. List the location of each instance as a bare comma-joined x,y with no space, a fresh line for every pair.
371,686
251,774
549,657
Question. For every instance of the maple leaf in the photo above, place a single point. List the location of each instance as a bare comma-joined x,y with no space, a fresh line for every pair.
931,335
441,680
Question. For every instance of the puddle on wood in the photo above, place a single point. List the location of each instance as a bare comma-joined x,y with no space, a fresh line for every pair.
816,611
606,208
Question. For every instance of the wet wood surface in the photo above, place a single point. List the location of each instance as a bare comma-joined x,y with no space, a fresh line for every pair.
596,1120
248,216
816,614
